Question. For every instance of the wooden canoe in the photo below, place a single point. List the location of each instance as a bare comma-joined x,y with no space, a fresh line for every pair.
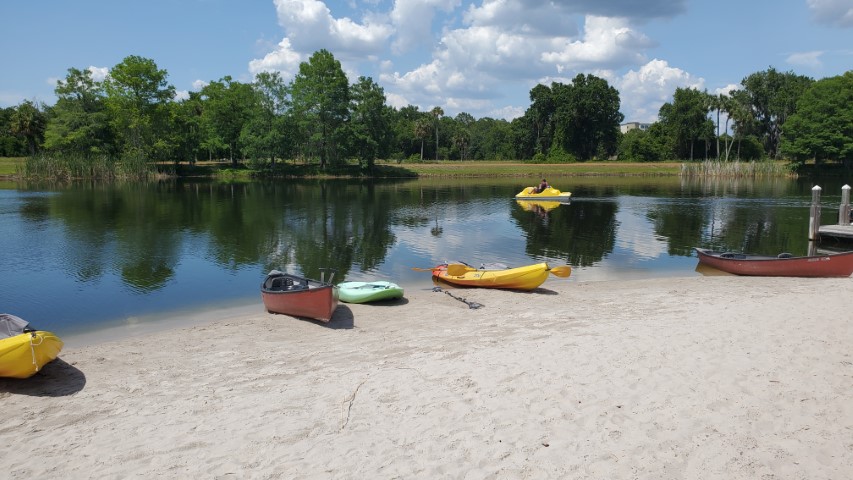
299,296
783,265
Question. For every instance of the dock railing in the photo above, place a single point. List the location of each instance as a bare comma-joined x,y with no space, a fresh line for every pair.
844,209
842,230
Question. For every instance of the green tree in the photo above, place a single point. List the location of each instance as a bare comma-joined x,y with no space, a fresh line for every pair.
79,122
541,115
822,128
743,122
269,131
405,143
589,117
10,145
228,105
28,122
137,93
370,130
685,121
492,139
186,118
640,146
321,103
772,98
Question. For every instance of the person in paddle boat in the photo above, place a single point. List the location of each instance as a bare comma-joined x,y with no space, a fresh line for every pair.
542,186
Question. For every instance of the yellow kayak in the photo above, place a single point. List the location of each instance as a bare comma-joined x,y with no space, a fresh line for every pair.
549,193
23,354
521,278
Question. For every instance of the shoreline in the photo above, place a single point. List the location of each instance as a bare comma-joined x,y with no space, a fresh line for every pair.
680,377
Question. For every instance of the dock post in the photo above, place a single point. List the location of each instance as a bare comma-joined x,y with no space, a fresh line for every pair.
844,210
814,215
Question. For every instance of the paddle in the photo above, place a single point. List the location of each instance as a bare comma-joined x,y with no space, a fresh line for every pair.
422,269
563,271
456,270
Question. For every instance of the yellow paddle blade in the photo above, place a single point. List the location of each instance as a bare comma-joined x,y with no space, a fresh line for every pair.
421,269
563,271
457,269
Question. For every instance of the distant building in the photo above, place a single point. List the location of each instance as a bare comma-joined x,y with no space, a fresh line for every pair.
626,127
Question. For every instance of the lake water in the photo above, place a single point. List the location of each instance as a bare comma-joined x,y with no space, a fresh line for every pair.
83,257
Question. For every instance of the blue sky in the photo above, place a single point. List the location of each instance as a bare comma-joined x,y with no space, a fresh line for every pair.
481,57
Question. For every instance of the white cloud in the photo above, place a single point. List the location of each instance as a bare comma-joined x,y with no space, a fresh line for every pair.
181,95
99,74
283,59
806,59
412,22
727,90
533,19
310,26
487,52
644,91
606,42
838,13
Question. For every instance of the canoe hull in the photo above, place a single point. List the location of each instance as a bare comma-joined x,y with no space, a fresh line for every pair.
549,194
299,297
364,292
23,355
522,278
836,265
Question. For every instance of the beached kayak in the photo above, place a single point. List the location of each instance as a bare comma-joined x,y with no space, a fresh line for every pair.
23,351
520,278
363,292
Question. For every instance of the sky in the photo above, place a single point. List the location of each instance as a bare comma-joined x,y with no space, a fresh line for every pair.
481,57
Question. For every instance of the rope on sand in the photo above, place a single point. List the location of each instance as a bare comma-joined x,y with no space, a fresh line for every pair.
471,305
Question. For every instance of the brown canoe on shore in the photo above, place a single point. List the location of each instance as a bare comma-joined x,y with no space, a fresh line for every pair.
783,265
299,296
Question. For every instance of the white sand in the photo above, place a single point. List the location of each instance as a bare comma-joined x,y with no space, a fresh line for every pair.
701,377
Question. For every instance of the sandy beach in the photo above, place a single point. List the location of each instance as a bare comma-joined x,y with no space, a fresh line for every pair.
675,378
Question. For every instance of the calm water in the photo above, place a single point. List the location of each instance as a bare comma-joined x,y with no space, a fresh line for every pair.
86,256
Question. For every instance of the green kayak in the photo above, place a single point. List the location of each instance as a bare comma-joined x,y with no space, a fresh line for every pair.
362,292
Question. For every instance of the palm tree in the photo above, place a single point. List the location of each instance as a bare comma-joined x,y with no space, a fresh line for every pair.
421,131
436,112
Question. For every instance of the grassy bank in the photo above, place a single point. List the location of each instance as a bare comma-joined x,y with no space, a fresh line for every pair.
11,167
484,168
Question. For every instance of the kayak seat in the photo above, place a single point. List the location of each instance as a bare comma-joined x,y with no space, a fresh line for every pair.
784,255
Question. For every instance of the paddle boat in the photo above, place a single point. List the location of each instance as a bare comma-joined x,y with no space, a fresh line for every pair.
493,276
299,296
539,206
363,292
24,350
782,265
548,194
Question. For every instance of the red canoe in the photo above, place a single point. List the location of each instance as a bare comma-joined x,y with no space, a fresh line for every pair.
784,265
298,296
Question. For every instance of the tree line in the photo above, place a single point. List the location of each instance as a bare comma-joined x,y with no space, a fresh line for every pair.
318,117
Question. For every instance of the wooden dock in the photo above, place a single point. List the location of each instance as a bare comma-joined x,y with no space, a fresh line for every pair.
839,232
843,230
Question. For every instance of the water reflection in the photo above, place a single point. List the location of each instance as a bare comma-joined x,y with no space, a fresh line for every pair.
120,251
